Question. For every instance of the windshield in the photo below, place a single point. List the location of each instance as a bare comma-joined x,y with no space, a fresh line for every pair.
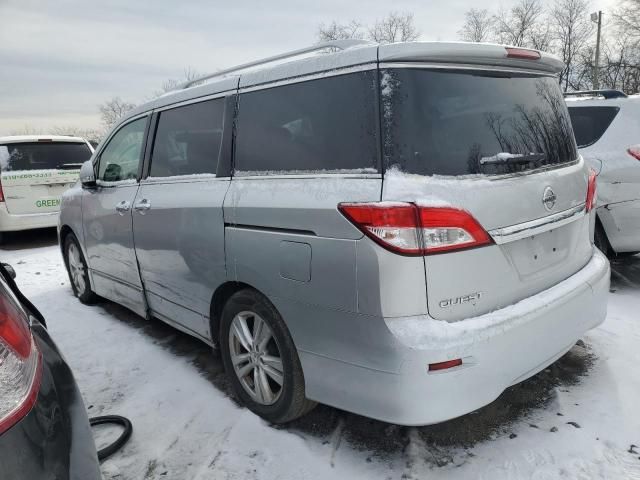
445,122
43,156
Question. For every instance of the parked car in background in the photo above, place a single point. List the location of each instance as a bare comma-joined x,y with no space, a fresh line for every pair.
400,231
44,428
607,130
35,171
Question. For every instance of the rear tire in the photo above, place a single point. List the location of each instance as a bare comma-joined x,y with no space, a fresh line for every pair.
261,360
77,270
602,242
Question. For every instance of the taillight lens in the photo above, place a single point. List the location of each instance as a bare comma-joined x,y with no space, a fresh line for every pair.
634,151
408,229
1,191
20,364
592,196
522,53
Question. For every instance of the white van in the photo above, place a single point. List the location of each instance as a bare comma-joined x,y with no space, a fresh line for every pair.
35,171
606,124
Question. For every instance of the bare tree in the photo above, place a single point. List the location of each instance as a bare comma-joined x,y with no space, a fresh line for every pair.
571,28
112,110
189,75
27,130
340,31
541,36
395,27
515,26
477,26
91,134
627,17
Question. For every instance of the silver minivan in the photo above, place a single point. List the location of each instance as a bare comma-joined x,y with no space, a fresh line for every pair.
401,231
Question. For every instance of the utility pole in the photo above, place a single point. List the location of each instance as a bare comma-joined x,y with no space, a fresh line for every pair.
597,18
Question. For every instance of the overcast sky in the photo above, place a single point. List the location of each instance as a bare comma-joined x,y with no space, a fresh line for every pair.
59,59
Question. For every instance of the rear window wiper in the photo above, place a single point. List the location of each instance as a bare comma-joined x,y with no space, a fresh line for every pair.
68,166
504,158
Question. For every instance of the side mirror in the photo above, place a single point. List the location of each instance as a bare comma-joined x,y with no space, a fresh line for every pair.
9,269
87,174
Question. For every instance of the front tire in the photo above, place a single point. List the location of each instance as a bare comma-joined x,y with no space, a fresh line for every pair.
77,270
261,360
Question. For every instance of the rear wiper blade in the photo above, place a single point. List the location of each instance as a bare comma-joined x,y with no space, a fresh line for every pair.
68,166
511,158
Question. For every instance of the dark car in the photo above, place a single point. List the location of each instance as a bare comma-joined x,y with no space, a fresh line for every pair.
44,428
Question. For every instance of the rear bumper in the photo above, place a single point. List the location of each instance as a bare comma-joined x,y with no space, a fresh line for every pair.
498,349
15,223
621,222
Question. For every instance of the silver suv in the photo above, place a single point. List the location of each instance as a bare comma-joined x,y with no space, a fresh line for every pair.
606,125
401,231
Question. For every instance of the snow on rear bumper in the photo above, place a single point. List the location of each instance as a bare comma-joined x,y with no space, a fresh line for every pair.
498,349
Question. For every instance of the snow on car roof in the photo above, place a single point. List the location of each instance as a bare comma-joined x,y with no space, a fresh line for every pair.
38,138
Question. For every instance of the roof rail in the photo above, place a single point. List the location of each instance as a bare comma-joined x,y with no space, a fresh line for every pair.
335,44
606,93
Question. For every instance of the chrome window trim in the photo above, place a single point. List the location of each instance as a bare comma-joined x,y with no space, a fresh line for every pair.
464,66
310,76
540,225
182,179
306,176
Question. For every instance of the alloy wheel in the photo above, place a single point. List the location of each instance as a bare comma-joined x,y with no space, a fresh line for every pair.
76,268
256,357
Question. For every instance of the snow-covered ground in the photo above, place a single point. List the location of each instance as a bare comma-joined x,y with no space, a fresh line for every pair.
578,419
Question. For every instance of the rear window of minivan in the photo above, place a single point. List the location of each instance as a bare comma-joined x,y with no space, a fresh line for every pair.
590,123
43,156
455,122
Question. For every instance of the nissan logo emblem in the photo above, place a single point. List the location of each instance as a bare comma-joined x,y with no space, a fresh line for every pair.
549,198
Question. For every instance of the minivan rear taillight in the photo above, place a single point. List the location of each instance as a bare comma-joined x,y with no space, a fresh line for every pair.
20,363
1,191
409,229
591,191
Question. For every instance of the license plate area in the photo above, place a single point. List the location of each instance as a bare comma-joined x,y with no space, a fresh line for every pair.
539,253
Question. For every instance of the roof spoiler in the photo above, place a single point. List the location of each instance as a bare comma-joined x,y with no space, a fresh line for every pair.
606,93
480,54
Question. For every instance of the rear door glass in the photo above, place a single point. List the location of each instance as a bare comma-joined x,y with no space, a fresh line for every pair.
323,126
43,156
590,123
188,140
446,122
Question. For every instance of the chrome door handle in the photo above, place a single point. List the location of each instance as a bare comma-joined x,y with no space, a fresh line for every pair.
142,206
123,207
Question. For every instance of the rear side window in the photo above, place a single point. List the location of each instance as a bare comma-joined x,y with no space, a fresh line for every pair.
590,123
470,122
320,126
43,156
188,140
